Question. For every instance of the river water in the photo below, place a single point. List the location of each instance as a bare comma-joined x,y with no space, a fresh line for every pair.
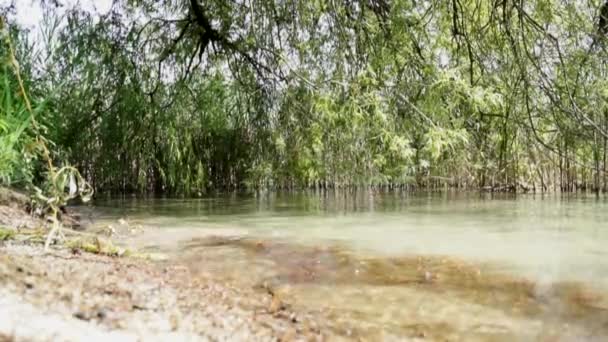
399,265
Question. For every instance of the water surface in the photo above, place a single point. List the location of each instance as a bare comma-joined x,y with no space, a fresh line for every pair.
464,266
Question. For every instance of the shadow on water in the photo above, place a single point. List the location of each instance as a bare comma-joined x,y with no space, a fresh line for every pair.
420,297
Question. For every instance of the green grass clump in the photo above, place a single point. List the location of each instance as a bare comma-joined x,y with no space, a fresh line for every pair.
6,234
98,246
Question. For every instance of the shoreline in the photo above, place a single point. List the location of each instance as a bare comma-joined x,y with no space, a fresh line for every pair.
70,294
228,285
60,295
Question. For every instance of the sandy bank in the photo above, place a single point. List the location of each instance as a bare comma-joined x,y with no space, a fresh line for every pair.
70,295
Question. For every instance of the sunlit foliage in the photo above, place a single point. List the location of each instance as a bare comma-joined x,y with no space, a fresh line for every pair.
183,96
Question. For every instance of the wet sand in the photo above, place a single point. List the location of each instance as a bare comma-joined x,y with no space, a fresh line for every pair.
431,297
233,288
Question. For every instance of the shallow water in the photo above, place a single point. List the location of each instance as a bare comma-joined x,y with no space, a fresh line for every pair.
386,266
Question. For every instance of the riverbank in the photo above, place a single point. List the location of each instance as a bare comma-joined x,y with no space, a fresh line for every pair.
69,294
62,296
218,269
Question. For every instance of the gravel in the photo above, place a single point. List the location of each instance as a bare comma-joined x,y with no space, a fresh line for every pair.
59,296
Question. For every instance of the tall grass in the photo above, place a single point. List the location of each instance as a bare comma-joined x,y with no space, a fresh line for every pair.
23,145
16,138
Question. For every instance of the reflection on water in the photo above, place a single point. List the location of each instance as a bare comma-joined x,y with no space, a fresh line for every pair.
423,266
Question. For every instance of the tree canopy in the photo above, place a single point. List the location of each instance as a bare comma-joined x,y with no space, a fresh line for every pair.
186,96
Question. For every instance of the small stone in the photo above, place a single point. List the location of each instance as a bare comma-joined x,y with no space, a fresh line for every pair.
81,315
289,335
174,322
138,307
101,314
306,327
275,305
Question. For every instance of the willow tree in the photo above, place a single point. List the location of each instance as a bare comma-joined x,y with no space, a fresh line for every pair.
183,96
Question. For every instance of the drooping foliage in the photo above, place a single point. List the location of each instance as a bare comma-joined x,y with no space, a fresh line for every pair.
183,96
